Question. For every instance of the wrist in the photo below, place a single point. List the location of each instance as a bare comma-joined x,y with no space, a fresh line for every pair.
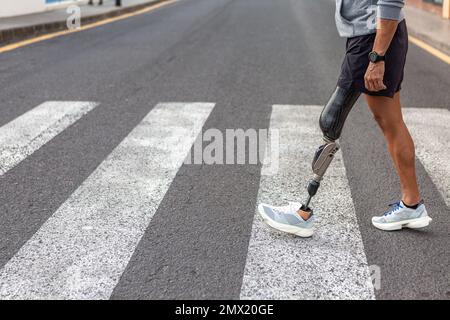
376,64
376,57
380,52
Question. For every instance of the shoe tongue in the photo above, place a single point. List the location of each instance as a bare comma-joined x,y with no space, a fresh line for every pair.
295,206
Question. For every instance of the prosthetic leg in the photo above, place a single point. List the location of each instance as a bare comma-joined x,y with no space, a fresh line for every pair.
331,123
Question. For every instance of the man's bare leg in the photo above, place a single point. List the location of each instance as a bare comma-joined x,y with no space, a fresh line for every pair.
387,112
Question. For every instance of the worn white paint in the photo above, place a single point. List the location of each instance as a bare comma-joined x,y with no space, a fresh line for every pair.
29,132
330,265
82,250
430,129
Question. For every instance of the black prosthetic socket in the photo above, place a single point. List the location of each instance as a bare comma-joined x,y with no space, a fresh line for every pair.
331,122
336,111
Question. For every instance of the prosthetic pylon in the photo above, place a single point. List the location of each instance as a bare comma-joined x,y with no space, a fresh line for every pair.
331,122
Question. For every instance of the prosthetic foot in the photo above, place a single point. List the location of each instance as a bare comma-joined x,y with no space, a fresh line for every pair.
331,123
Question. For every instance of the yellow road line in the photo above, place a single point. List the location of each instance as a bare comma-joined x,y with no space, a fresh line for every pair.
435,52
23,43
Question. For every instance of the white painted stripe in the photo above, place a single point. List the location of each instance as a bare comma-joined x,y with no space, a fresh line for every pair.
27,133
332,264
430,129
82,250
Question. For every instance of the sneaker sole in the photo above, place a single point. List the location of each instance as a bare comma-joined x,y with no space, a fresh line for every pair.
411,224
300,232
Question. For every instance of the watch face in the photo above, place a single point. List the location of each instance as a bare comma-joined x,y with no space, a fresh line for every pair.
373,56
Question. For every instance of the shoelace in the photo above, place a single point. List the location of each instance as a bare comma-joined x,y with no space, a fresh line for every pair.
394,207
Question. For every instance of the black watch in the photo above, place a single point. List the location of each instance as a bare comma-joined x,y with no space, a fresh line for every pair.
375,57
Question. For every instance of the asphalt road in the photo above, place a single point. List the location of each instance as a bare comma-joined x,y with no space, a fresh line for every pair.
244,56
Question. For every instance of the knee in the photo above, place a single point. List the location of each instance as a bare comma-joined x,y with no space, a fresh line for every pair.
382,122
387,124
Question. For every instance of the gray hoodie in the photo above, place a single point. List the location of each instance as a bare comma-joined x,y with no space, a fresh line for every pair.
358,17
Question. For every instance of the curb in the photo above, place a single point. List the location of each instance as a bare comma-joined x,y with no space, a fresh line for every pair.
12,35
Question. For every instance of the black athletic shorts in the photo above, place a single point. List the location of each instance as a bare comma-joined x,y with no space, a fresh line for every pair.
356,62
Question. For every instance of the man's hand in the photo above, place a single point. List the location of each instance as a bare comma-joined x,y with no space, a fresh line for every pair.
373,79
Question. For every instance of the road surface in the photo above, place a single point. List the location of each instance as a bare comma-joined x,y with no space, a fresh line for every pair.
97,202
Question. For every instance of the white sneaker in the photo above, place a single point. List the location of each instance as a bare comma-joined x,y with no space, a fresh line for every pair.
400,216
287,219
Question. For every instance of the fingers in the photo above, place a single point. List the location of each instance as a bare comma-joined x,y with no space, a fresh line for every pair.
374,84
366,83
373,79
370,84
379,85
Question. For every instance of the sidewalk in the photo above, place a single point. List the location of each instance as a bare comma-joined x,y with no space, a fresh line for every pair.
26,26
429,28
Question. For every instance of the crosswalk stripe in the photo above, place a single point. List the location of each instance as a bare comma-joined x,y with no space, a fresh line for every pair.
27,133
332,264
82,250
430,129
